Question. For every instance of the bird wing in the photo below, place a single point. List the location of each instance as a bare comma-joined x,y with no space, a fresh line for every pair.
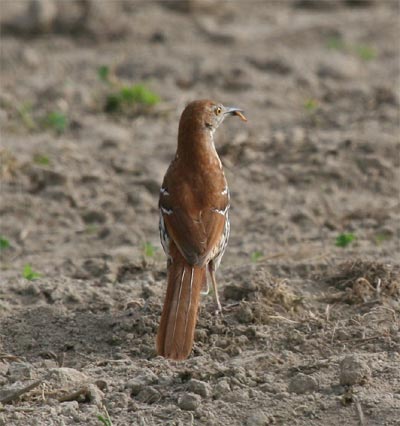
196,232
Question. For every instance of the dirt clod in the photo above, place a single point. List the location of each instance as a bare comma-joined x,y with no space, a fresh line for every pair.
189,401
302,383
200,388
354,371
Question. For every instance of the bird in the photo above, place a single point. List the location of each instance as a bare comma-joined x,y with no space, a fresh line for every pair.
194,226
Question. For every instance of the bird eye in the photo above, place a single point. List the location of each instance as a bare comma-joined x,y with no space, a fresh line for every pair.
218,111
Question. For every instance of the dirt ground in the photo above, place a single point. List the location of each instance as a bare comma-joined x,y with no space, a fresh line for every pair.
311,330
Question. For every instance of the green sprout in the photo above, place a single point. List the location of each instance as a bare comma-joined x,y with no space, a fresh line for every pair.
139,94
256,255
56,121
366,53
29,274
129,96
42,160
104,420
343,240
149,250
336,43
104,73
4,243
311,105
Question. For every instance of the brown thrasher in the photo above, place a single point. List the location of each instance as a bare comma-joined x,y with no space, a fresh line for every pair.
194,224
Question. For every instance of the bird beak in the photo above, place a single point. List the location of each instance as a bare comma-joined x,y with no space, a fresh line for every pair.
235,111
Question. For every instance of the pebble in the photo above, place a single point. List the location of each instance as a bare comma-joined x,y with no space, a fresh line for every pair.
353,371
189,401
69,408
148,395
258,418
200,388
66,376
302,383
145,378
19,371
245,314
221,388
96,396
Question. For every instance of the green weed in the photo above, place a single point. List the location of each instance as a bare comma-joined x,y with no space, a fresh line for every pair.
56,121
103,73
29,274
104,420
343,240
149,250
311,105
366,53
256,255
128,96
4,243
42,160
336,43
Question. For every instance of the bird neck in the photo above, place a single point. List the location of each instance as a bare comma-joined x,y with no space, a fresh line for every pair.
196,146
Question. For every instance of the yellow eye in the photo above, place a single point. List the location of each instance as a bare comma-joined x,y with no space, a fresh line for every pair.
218,111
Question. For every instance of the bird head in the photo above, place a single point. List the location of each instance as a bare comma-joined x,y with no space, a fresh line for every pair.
209,114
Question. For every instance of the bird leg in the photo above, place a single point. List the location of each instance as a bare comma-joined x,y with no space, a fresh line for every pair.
205,292
214,283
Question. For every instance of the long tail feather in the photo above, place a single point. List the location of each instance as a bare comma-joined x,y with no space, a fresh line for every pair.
178,320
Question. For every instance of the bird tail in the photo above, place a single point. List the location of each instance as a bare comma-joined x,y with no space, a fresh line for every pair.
179,316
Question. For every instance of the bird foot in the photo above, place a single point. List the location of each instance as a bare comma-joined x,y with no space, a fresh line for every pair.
205,292
218,312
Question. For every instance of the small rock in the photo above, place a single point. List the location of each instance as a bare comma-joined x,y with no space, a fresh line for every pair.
145,378
119,400
244,314
95,395
201,335
302,383
200,388
257,418
69,408
221,388
237,396
19,371
353,371
189,401
66,376
148,395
